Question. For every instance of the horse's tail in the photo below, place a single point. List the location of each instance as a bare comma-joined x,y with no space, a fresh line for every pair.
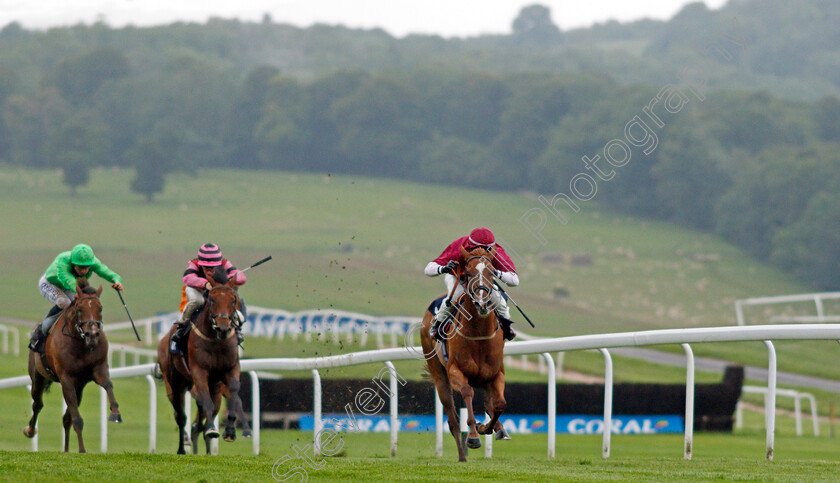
426,375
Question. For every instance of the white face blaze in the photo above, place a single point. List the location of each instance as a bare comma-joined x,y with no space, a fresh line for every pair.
482,296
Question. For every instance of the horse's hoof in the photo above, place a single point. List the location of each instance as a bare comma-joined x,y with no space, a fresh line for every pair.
230,435
29,433
211,433
181,451
502,434
229,439
114,418
473,443
246,433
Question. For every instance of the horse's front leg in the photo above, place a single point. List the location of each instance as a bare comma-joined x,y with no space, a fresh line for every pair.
204,400
102,377
73,396
459,383
495,405
234,407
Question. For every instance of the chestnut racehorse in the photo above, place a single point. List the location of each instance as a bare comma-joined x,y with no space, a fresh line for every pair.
475,348
75,353
211,368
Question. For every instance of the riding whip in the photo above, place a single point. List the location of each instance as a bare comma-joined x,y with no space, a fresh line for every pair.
129,314
257,264
499,285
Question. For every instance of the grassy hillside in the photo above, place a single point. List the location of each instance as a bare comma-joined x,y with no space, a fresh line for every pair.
360,244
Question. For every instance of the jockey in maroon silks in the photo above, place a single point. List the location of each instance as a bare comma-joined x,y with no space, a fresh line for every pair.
449,260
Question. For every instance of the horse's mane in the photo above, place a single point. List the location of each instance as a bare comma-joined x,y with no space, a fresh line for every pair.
220,275
85,287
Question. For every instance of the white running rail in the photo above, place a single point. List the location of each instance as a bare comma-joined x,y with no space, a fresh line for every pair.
797,397
817,298
7,333
602,342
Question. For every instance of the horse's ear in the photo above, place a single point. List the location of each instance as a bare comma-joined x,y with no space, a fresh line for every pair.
99,292
464,253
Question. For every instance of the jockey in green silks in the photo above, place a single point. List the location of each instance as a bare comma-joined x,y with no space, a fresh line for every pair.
58,285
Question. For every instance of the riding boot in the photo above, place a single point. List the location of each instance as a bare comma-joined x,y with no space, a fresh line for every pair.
180,329
507,331
181,325
39,334
36,340
443,314
503,314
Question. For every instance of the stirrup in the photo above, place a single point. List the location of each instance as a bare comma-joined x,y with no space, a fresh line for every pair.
179,331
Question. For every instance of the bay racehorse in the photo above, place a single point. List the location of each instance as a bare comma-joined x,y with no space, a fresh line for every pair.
475,349
75,353
208,368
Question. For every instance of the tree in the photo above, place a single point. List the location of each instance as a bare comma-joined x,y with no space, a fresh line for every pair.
155,154
78,78
379,125
149,180
247,110
451,160
75,171
533,26
771,191
688,176
810,247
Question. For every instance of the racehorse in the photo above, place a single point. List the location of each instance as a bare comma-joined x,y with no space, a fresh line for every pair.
475,347
76,352
209,367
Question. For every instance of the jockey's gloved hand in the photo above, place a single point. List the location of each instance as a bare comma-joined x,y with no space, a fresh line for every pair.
497,273
450,267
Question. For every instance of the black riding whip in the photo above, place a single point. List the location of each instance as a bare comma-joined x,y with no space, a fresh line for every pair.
257,264
499,285
129,315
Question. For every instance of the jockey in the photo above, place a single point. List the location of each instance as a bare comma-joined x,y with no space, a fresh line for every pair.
199,271
449,260
58,285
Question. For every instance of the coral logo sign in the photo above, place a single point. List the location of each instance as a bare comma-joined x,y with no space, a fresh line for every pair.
622,424
514,423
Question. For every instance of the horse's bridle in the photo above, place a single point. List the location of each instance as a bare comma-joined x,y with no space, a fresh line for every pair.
79,322
219,315
467,285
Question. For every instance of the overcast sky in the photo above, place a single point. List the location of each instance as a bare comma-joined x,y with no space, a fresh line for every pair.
399,17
